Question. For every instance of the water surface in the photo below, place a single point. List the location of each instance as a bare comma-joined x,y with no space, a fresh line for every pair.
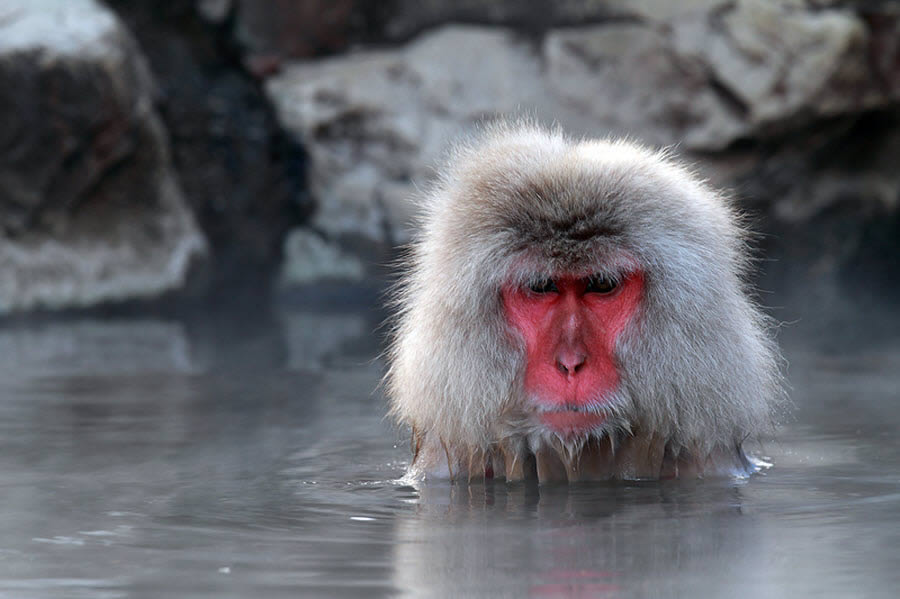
147,457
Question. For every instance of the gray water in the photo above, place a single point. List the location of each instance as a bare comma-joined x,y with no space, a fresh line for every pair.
147,458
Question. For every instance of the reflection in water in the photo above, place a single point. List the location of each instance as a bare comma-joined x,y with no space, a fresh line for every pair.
99,347
583,541
317,340
150,458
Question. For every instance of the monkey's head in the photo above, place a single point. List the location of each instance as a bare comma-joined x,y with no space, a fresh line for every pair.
582,299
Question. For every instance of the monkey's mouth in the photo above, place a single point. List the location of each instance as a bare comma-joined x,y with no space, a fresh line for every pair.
571,421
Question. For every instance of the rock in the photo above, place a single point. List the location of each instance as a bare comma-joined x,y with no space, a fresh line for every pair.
298,28
406,18
884,49
613,76
90,208
784,64
242,176
826,202
272,31
215,11
374,123
292,28
309,258
706,76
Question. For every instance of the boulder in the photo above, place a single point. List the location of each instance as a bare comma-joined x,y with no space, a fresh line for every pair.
90,208
214,11
783,64
374,123
706,77
268,30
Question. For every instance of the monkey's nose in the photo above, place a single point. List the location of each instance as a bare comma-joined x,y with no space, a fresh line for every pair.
569,362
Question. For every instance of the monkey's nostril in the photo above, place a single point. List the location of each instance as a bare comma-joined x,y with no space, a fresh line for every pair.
569,364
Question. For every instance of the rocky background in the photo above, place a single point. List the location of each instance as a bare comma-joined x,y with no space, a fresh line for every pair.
192,150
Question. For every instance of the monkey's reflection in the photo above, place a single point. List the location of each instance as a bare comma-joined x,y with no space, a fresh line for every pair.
582,540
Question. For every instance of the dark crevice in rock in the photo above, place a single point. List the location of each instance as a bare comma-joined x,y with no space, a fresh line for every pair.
243,177
826,198
728,97
277,30
528,30
883,57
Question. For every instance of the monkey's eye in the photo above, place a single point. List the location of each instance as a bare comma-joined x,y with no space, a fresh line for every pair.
601,284
543,286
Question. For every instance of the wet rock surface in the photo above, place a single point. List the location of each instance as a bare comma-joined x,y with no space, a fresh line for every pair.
90,207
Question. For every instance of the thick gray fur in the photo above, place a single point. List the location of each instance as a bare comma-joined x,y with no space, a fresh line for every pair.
698,365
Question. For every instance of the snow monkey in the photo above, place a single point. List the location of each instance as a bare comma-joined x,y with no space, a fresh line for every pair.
575,310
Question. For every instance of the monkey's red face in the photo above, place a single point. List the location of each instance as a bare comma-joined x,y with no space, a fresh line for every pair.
570,326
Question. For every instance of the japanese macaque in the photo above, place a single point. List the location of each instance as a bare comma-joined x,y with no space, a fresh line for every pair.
575,310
